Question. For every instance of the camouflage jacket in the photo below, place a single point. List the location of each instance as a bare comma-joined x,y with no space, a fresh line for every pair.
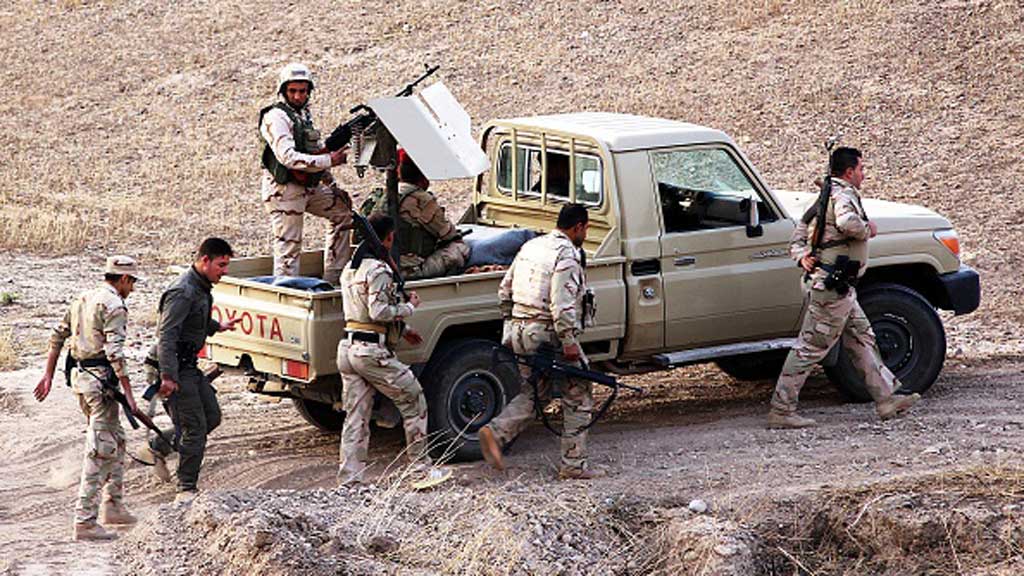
546,283
97,323
846,224
370,296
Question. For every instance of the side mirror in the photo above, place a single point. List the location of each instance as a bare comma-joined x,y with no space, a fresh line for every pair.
754,228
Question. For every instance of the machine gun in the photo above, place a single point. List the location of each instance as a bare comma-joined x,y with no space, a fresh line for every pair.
545,363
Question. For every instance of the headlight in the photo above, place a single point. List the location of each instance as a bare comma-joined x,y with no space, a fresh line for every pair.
950,240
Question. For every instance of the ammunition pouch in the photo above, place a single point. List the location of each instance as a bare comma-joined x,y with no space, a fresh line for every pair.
841,275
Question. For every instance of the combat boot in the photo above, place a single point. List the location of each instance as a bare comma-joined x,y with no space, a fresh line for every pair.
490,448
92,531
157,461
185,496
116,513
780,421
895,406
581,473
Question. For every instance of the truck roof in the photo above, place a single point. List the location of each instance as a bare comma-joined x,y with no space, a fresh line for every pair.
623,132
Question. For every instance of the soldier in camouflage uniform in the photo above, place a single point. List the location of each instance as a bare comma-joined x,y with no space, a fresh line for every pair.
96,324
367,361
541,299
296,178
184,324
830,315
428,242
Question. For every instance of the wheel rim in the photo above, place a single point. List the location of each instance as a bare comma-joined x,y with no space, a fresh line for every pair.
473,401
895,342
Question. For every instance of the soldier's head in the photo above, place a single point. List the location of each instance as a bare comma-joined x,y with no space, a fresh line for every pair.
212,259
295,84
847,164
409,172
573,221
121,272
384,227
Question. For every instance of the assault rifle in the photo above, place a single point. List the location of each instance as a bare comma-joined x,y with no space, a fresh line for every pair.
372,245
820,208
110,389
545,363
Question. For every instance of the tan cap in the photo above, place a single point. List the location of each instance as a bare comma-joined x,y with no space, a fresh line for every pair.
122,266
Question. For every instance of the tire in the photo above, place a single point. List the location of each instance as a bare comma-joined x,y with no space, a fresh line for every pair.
321,416
460,383
910,337
753,367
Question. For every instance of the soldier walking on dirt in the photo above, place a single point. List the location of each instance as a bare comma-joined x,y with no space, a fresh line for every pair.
296,178
833,312
184,324
542,301
97,323
428,242
366,359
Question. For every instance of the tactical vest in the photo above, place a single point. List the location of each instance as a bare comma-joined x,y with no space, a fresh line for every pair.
307,141
411,237
854,249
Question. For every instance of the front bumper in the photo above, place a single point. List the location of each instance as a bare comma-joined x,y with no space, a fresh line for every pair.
962,290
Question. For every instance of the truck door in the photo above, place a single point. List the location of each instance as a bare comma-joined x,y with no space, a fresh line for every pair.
721,285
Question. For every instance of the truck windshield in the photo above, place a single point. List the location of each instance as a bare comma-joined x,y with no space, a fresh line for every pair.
588,174
703,188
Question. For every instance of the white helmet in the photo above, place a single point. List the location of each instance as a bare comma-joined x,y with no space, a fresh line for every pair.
294,72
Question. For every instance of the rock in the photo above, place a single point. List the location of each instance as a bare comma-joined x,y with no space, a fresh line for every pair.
698,506
381,544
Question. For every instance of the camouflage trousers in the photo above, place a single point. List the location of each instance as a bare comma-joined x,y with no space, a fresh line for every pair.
287,206
103,464
449,259
577,398
366,369
828,318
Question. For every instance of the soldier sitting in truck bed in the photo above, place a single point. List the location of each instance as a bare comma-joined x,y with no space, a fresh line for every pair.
429,243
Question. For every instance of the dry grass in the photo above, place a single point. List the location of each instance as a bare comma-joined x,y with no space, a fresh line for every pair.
8,353
946,523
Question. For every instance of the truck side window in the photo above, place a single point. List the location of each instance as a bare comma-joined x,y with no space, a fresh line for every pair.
702,189
589,177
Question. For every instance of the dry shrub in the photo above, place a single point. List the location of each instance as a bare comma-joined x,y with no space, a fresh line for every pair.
8,354
946,523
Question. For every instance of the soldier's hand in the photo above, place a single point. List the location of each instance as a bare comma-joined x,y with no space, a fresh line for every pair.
229,325
167,387
873,228
412,337
338,156
414,299
571,352
43,388
808,263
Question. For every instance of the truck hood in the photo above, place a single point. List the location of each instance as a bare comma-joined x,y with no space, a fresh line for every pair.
890,216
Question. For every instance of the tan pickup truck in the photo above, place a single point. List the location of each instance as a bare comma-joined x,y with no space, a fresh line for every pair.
687,254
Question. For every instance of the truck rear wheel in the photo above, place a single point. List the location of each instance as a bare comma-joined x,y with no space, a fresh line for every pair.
910,338
320,415
465,389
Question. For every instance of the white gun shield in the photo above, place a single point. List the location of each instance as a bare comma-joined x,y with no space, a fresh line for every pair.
435,131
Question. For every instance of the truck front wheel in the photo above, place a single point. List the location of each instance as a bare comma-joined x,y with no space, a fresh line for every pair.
321,416
466,389
910,338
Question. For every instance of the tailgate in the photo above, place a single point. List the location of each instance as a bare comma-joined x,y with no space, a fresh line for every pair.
282,332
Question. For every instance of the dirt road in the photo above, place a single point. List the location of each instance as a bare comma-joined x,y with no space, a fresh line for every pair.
695,434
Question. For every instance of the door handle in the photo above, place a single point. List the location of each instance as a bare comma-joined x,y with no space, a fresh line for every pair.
685,261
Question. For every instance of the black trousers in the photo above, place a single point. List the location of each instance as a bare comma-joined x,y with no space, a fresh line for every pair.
196,413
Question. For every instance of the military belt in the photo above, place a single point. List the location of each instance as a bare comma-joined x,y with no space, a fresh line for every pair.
371,337
352,326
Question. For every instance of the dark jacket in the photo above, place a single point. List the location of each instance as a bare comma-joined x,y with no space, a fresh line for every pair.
185,321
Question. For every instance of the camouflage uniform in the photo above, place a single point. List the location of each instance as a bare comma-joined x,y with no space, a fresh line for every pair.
829,315
423,227
97,323
372,308
287,203
541,299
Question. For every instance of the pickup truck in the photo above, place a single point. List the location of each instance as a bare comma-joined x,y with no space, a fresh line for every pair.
687,254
